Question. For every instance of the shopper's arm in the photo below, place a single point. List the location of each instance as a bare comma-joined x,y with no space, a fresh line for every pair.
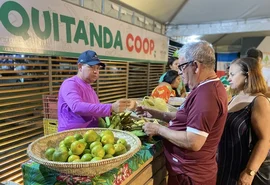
164,116
72,96
260,120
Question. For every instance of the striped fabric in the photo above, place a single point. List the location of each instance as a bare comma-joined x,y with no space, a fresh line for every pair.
233,148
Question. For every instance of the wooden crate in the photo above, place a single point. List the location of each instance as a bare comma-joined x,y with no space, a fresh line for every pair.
50,126
50,106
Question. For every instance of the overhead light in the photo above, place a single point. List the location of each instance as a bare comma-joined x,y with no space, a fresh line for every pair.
194,38
141,19
158,26
123,12
187,39
115,7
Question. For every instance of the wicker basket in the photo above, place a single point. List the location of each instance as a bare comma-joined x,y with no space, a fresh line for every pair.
37,149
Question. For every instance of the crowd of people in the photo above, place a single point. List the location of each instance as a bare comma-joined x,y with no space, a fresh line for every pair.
209,140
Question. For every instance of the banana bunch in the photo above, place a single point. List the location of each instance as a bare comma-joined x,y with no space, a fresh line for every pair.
155,103
121,121
115,121
135,125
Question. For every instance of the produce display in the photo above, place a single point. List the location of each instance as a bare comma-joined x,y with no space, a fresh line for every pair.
122,121
155,103
87,147
125,121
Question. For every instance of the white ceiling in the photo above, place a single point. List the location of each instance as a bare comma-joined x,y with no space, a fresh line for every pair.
181,12
161,10
205,11
190,12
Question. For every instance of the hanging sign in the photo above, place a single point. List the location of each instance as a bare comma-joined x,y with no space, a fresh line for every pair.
58,28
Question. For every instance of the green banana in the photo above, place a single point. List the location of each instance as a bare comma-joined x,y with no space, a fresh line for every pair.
108,121
101,123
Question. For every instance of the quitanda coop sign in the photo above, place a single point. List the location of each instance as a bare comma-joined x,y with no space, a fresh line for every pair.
58,28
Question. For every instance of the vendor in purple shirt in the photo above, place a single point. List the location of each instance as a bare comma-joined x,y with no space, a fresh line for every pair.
78,103
194,131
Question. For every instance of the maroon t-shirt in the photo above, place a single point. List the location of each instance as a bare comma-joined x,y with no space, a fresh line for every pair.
204,113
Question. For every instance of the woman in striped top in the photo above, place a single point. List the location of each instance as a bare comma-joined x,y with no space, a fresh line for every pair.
249,108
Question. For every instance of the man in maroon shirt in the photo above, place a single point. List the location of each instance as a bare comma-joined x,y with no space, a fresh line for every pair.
193,134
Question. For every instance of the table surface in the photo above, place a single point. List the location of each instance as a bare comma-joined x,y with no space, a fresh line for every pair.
37,174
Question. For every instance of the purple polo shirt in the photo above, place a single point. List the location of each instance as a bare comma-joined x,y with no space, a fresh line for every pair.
79,106
204,113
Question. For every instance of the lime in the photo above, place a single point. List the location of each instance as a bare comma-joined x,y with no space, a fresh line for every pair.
122,141
49,153
86,157
107,139
109,149
105,132
73,157
68,140
107,156
96,159
90,136
78,136
98,151
96,143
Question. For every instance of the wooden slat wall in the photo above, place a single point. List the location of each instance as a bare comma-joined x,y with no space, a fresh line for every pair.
61,69
23,81
155,71
113,82
137,81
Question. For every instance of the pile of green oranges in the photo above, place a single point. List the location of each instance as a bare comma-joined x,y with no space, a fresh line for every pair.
87,147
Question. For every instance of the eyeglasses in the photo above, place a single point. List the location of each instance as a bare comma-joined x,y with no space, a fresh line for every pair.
183,66
95,67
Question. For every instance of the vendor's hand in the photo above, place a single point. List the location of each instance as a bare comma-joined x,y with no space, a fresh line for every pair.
143,111
245,179
123,104
151,129
131,105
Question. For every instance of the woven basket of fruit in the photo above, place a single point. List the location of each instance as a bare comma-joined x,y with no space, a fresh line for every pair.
84,152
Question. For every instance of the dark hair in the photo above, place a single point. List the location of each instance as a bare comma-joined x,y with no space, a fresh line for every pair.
171,61
252,71
254,53
170,76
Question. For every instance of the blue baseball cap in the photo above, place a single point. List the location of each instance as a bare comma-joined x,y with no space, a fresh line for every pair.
90,57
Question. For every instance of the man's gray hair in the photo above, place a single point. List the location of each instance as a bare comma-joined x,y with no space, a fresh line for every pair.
202,51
